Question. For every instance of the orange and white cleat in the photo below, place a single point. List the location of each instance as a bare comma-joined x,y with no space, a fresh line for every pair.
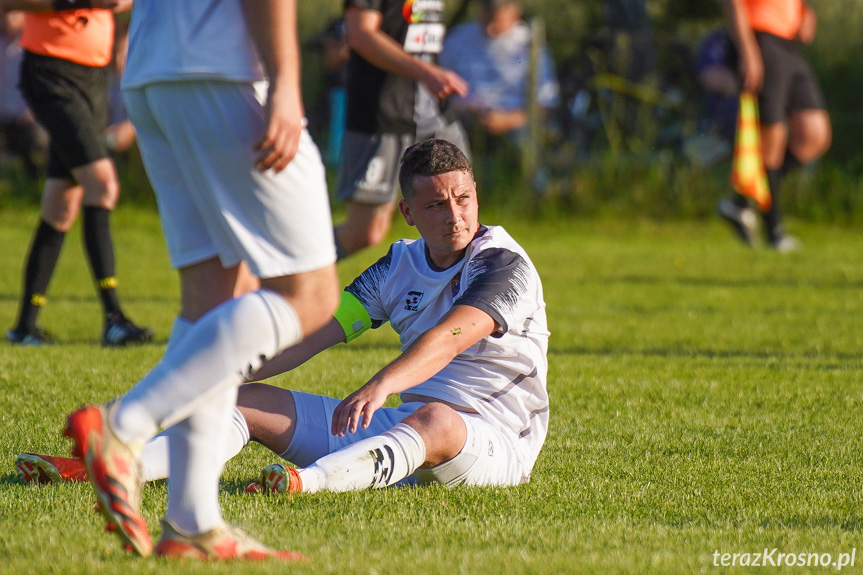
114,471
221,543
277,478
36,468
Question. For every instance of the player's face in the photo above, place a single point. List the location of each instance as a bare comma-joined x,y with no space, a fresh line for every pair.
444,210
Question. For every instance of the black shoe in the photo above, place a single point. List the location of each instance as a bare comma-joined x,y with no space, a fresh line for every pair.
119,332
33,336
743,220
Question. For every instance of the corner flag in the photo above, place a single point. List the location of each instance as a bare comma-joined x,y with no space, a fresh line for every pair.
747,167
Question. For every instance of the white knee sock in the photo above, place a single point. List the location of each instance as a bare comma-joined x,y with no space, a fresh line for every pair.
371,463
195,455
154,457
217,352
178,330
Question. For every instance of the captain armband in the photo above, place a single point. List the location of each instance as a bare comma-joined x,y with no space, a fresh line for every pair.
352,316
61,5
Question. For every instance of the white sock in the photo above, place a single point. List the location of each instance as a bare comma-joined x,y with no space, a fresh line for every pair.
217,352
195,460
371,463
178,330
154,457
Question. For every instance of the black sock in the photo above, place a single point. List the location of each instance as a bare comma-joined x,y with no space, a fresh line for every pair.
773,217
100,251
790,162
44,252
740,201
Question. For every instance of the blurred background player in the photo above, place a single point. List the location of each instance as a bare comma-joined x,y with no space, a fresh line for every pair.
395,97
64,79
795,127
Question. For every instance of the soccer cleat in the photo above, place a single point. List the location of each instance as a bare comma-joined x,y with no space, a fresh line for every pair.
114,471
222,543
121,331
277,478
743,220
34,468
33,336
254,487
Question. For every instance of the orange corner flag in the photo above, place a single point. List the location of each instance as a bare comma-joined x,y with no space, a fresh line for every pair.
747,167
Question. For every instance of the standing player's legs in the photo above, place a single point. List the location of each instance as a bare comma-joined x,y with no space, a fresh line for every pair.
71,102
368,184
278,223
811,135
365,225
61,200
791,99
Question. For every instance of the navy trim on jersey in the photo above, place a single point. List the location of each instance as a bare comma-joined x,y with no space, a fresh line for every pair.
499,277
366,287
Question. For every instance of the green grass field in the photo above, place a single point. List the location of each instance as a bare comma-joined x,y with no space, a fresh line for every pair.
704,397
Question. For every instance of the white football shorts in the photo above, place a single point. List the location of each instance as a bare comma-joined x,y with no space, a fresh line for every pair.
488,457
197,142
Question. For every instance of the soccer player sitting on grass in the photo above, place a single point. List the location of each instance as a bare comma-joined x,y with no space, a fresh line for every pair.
468,306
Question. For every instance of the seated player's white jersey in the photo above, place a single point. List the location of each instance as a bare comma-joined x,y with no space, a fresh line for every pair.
503,376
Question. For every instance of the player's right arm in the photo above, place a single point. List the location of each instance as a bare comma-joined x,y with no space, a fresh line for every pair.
273,26
747,46
365,37
348,323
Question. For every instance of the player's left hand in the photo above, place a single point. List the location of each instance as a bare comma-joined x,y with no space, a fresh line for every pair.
286,123
361,404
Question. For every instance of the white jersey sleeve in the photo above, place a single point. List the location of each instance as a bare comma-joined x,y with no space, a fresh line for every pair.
496,281
368,287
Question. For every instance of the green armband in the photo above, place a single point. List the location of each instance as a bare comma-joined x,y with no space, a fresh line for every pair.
352,316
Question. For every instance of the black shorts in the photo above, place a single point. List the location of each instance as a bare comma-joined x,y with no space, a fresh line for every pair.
71,103
789,83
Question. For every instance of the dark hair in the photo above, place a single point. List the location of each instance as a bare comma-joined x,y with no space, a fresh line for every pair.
430,158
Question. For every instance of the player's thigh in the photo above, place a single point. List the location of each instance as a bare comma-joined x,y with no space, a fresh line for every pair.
487,458
278,223
811,134
312,437
368,173
185,231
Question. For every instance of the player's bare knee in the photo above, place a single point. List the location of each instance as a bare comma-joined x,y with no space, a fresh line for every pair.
442,430
102,194
60,216
270,414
